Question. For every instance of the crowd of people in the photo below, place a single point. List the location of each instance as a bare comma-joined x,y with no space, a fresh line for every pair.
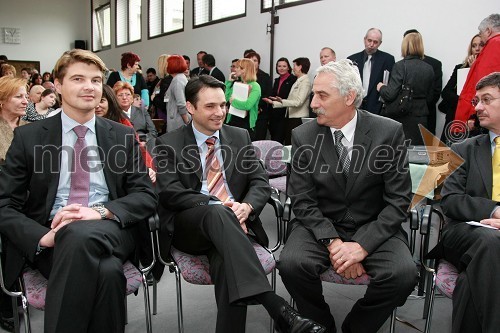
205,181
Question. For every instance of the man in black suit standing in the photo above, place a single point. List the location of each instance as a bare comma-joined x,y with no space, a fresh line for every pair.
200,69
472,193
437,86
349,204
211,69
371,64
212,189
72,195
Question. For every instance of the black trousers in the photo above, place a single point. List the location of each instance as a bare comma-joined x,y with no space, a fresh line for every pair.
391,268
243,123
475,251
277,124
86,285
234,266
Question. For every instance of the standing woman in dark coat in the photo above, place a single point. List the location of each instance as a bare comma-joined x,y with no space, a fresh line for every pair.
419,75
281,88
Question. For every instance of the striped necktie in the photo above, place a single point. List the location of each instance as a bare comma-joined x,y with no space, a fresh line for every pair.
215,181
342,153
495,163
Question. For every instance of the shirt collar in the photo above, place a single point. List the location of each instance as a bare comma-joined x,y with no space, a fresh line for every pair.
349,128
68,123
201,137
492,136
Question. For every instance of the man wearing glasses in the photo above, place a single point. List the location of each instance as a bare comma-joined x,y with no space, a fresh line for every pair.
488,61
472,193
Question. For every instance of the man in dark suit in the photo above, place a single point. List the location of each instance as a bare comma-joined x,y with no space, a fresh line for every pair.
211,69
349,204
379,62
437,86
200,69
217,217
72,195
472,193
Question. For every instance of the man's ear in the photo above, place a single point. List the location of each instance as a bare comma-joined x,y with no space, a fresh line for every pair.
349,99
57,84
190,107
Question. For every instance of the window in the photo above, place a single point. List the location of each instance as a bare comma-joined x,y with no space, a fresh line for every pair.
101,25
165,16
267,4
128,21
214,11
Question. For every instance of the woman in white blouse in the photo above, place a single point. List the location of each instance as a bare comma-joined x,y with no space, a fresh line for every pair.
297,101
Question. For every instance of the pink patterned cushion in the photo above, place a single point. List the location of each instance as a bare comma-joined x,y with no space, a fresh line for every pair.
195,269
330,276
271,152
446,278
278,183
36,284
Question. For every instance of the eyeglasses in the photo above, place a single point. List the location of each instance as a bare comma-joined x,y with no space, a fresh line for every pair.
123,95
486,100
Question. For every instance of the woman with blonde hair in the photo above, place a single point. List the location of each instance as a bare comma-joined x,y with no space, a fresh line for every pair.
419,76
246,73
158,97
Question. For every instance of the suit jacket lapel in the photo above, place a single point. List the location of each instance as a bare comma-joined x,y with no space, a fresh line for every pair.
192,157
105,136
482,154
51,140
330,156
133,114
361,146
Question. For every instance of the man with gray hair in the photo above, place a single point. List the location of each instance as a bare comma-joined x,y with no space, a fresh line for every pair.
488,61
371,64
350,192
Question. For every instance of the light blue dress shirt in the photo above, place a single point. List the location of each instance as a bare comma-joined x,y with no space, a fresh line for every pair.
98,192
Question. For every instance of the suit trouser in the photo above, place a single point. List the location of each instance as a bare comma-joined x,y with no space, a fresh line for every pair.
391,268
475,251
86,285
277,124
234,266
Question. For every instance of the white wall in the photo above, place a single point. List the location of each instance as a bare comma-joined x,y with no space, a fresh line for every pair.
48,28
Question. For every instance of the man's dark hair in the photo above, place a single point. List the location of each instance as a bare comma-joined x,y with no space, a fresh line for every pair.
186,58
196,84
411,31
247,52
151,70
201,52
3,57
208,60
304,62
490,80
235,60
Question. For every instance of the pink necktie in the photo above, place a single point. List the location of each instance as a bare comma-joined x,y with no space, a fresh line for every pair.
80,177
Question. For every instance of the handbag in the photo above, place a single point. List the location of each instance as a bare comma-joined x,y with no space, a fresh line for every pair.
401,105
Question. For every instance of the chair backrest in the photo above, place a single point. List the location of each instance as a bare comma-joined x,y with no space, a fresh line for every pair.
271,153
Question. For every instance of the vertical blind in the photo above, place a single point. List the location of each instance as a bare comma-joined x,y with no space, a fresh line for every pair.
101,24
165,16
206,11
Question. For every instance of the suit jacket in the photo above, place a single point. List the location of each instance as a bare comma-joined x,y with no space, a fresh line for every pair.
377,192
467,191
381,61
144,126
217,73
266,86
29,180
197,71
437,67
179,177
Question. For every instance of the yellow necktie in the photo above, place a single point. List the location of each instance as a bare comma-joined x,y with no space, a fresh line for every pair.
495,193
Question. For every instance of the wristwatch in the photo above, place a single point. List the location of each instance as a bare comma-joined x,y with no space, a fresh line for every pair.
99,207
326,241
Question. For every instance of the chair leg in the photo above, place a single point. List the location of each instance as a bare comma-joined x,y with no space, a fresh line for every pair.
180,318
431,296
126,311
393,321
155,297
26,314
147,307
273,285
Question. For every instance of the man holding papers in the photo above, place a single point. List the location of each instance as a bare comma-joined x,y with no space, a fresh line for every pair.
472,193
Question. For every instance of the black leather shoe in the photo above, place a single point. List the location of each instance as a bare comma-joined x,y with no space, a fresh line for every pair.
290,321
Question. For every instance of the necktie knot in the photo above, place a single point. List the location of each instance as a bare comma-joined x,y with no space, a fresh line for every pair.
210,142
369,58
80,131
338,136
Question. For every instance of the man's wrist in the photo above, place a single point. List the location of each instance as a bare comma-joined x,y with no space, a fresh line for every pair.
249,206
326,241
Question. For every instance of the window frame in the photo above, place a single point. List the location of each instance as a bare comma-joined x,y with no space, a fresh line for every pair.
94,16
127,23
210,22
284,5
163,22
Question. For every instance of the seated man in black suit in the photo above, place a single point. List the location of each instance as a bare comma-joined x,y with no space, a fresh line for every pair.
72,194
472,193
350,197
206,209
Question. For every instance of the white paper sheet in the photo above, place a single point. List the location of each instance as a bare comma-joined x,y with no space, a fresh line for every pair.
240,92
477,224
461,77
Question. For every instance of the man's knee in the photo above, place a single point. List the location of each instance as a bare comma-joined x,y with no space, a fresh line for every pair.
79,236
292,264
111,272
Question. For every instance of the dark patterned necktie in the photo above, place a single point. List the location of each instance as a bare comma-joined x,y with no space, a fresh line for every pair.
342,153
80,177
215,181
